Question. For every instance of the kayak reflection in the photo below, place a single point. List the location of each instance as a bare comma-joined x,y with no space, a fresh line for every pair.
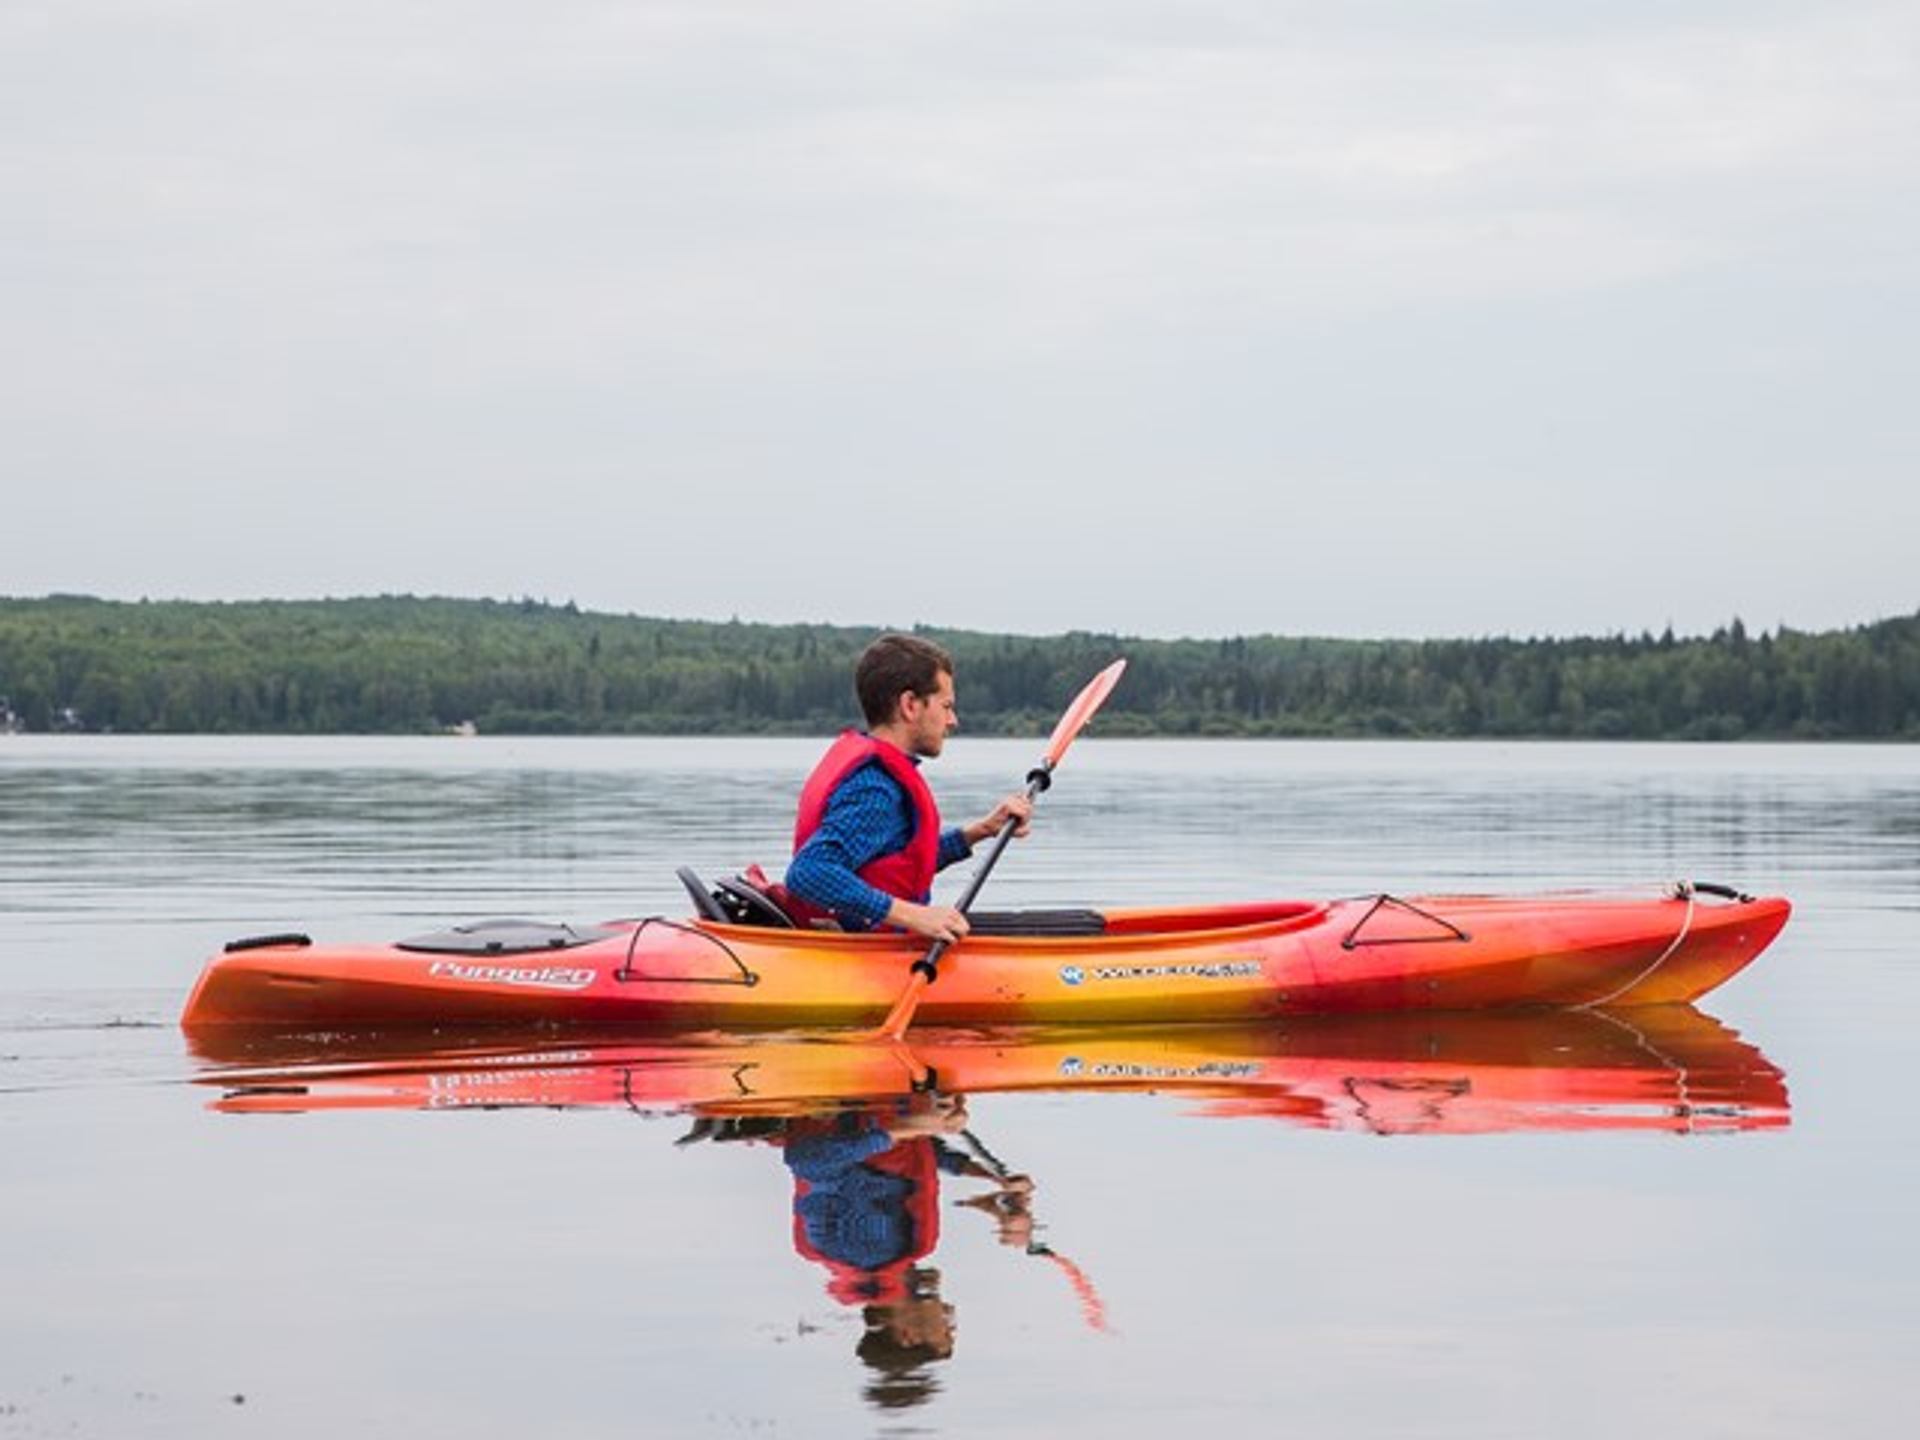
1663,1068
869,1133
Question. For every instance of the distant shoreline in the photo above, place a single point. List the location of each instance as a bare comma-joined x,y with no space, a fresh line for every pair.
723,736
400,665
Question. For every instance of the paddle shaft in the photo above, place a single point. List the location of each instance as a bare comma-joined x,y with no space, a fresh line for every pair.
928,965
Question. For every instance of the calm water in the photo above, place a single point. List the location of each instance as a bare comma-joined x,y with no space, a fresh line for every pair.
1700,1222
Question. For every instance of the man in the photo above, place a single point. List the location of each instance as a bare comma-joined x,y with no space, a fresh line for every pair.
868,841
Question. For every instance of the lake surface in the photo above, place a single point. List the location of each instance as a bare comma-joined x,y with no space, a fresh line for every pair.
1698,1222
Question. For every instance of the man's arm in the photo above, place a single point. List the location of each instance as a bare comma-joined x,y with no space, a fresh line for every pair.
954,847
1017,807
957,841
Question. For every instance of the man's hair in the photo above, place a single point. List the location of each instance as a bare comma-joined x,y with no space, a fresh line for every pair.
895,663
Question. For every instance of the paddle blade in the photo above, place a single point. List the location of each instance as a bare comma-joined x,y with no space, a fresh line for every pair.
900,1017
1081,711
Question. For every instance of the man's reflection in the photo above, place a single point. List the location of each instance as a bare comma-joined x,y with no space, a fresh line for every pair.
866,1206
866,1198
902,1337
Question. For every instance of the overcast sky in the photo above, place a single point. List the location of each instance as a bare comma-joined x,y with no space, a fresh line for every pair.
1382,317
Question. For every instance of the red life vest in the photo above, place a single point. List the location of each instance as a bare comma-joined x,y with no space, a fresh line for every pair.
907,874
914,1161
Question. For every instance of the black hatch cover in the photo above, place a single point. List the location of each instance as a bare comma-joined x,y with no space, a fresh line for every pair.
506,937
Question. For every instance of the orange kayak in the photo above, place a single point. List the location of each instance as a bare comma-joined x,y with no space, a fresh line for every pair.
1666,1068
1257,961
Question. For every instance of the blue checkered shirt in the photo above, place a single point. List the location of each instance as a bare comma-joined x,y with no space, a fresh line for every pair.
868,815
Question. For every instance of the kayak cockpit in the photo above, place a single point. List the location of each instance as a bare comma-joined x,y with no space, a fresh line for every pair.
1186,919
748,899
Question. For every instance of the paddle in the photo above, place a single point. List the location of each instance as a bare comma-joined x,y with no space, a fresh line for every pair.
926,969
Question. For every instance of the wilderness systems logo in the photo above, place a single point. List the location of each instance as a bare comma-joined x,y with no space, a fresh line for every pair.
1224,970
542,977
1074,1068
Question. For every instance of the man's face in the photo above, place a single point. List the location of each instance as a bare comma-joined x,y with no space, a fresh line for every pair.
929,718
923,1325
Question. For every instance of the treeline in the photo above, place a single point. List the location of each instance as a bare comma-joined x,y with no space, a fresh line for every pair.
401,664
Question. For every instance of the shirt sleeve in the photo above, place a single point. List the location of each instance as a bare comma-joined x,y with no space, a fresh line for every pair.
818,1158
953,847
863,821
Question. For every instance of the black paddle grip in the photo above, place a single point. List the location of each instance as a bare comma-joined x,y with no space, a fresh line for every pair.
929,963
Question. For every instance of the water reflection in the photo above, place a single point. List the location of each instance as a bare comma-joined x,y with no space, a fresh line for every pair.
1669,1067
879,1144
866,1209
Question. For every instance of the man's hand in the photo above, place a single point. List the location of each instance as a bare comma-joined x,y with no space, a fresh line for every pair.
947,1115
1017,807
933,922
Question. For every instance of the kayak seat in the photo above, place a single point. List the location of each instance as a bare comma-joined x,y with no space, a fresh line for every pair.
752,899
749,899
705,903
1036,922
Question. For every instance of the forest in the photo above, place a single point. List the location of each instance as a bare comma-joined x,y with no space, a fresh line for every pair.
404,664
